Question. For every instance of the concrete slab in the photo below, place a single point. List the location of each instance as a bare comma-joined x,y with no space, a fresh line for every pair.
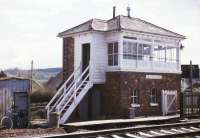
93,125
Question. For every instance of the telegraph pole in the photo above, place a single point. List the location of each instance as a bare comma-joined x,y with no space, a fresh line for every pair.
31,89
31,76
191,85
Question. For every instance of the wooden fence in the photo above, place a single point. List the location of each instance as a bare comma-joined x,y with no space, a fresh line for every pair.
190,104
5,101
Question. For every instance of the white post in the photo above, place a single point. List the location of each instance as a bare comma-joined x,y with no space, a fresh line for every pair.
137,55
151,55
120,51
90,71
165,53
75,83
178,56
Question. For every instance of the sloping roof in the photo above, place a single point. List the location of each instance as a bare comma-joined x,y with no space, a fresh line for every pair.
11,78
121,23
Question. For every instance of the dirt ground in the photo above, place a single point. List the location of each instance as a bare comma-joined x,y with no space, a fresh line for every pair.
27,133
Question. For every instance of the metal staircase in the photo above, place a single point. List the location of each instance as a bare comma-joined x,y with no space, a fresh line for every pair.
70,94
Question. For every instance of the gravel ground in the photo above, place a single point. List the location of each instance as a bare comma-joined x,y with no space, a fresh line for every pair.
27,133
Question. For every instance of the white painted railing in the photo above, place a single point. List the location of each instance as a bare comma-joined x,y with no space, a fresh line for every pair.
61,92
70,94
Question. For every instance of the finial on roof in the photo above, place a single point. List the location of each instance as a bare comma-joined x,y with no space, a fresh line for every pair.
128,11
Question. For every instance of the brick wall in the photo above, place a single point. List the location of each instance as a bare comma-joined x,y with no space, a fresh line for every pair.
68,57
117,100
111,106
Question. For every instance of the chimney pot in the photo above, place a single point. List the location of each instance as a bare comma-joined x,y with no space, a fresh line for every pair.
114,10
129,11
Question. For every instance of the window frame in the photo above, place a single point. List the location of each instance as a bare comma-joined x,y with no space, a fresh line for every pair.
153,97
137,53
114,53
135,98
155,50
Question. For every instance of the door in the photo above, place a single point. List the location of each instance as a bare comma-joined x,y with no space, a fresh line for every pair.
85,55
21,101
169,102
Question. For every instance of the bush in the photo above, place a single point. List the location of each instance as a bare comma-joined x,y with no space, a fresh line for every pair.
39,97
39,114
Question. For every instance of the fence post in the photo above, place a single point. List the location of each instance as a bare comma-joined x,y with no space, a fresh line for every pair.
181,104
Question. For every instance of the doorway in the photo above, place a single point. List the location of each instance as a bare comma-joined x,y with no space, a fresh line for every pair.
85,55
21,101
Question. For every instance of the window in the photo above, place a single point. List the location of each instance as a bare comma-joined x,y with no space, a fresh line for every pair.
165,54
153,96
144,52
133,50
135,97
159,53
129,50
113,54
171,54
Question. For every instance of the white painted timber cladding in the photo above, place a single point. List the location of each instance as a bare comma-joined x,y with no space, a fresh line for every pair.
98,54
78,41
99,57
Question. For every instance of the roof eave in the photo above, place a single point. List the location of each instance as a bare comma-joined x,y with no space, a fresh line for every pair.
178,36
87,31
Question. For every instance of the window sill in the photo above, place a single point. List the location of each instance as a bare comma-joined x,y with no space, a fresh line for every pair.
153,104
135,105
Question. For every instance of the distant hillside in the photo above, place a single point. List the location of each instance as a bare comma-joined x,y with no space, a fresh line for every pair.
54,82
42,75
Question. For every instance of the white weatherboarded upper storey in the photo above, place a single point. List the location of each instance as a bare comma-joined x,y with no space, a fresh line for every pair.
120,23
141,46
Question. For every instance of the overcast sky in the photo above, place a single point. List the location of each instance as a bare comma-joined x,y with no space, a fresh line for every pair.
28,28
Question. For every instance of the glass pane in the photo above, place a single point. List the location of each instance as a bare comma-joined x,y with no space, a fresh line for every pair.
153,96
140,49
134,48
146,49
116,47
110,48
110,60
125,47
135,100
116,59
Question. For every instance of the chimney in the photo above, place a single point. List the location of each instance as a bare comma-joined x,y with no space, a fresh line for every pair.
114,8
128,11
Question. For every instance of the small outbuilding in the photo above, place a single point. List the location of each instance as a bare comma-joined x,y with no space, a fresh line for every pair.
14,96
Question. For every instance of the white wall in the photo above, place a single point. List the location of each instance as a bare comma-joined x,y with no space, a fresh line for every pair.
99,57
98,54
80,39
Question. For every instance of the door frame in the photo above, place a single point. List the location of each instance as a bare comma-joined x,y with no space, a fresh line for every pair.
83,66
14,96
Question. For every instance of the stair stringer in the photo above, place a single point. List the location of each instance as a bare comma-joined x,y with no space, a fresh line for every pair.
75,103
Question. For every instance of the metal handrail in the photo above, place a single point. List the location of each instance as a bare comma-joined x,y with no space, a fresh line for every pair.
74,85
72,96
63,87
60,98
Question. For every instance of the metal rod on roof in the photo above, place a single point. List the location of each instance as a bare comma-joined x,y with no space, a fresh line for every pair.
114,10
